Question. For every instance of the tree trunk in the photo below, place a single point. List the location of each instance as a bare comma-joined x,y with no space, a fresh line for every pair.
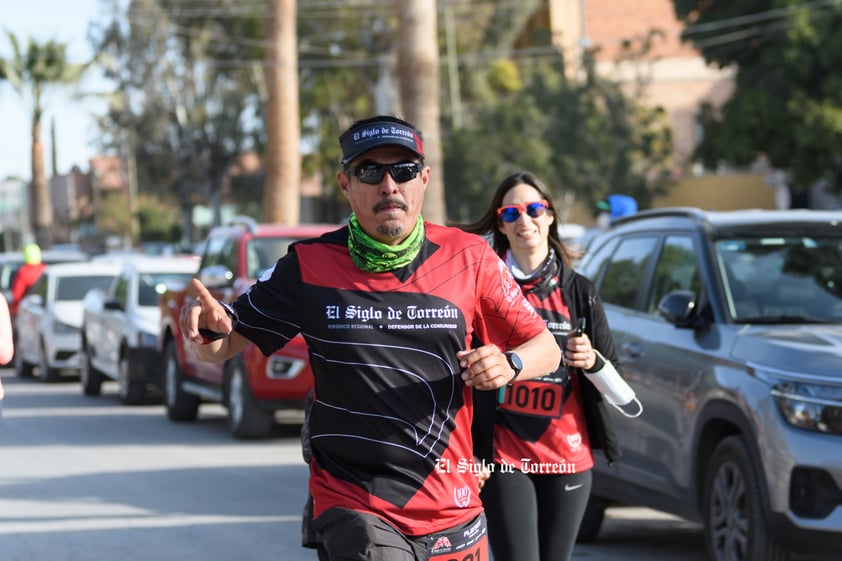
282,190
42,207
418,67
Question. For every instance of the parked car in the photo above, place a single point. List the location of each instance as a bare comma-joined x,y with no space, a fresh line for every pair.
49,320
251,386
121,326
11,261
729,327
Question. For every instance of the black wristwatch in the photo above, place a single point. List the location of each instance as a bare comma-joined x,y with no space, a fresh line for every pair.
209,336
515,363
232,313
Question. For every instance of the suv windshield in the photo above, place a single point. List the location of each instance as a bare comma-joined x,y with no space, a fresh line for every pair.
780,279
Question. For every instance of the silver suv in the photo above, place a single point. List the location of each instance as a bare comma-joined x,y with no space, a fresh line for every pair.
729,327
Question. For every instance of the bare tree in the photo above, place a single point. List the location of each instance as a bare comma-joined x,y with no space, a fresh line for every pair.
418,68
282,192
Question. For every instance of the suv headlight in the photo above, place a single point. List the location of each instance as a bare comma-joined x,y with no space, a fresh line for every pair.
61,328
810,406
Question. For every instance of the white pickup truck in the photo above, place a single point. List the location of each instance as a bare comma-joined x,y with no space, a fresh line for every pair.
121,325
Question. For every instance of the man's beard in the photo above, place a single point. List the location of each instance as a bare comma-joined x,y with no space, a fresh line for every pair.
391,232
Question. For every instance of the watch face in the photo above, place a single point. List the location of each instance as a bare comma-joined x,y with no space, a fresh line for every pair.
514,362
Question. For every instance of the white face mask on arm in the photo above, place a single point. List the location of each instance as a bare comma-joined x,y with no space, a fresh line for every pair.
613,388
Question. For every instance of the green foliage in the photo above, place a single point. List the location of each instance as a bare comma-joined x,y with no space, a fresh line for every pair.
184,92
346,56
504,76
113,216
38,66
589,139
788,100
177,65
158,218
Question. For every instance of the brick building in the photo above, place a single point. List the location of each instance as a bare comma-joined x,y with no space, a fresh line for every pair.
670,74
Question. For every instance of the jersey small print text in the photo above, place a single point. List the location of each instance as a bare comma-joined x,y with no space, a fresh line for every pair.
511,290
469,543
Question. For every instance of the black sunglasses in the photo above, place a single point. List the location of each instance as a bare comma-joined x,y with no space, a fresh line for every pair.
373,173
511,213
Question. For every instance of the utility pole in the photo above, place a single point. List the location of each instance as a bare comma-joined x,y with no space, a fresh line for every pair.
131,178
452,69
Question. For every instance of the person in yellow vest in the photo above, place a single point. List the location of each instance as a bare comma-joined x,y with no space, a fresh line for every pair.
27,275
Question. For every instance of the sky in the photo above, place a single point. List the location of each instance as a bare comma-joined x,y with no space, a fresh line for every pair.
65,21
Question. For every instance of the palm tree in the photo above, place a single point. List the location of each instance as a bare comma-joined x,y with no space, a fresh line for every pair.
282,192
31,73
418,66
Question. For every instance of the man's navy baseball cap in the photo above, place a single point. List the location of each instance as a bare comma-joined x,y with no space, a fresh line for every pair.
365,136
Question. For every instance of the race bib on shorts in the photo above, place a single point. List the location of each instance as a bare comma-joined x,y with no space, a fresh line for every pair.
468,543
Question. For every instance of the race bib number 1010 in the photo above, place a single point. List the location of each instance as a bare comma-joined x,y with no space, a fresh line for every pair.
539,399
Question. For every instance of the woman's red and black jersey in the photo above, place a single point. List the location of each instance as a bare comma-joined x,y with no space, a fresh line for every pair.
390,423
540,423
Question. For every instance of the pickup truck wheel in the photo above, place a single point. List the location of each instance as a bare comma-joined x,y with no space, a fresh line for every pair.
734,521
591,520
181,406
48,374
90,377
246,419
131,391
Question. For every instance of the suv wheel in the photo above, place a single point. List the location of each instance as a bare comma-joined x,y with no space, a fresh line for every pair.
90,377
246,419
131,391
48,374
181,406
735,525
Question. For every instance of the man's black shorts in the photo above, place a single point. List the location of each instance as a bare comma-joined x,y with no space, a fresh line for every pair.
348,535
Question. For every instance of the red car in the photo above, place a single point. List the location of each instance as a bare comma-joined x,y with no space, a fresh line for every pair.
251,386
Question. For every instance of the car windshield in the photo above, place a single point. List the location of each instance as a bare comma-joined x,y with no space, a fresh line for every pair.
152,285
75,288
263,253
7,273
782,279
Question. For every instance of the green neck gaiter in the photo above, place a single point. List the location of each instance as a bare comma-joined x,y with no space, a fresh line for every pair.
372,256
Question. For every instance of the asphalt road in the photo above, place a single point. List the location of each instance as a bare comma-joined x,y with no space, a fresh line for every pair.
85,479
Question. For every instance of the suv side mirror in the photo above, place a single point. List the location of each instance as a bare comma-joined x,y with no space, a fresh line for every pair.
113,304
679,307
216,276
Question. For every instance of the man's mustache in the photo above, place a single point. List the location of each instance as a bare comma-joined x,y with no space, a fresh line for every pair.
390,202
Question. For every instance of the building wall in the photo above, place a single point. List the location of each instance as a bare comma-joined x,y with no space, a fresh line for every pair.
722,192
608,23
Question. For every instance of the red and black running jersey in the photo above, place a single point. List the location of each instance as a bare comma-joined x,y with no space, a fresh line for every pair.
541,426
390,423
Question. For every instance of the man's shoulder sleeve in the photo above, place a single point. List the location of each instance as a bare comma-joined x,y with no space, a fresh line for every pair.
505,317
